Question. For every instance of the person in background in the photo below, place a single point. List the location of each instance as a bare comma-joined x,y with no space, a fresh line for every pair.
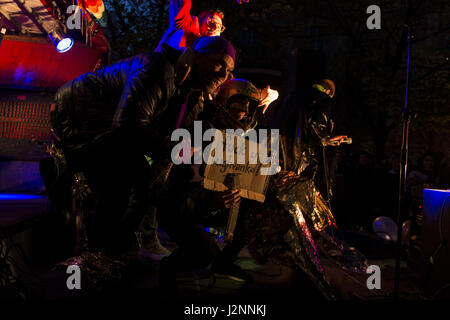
185,29
427,172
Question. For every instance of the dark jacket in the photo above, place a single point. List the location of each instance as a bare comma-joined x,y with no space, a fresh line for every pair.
116,106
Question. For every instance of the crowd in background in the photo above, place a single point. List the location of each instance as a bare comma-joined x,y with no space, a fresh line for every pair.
366,188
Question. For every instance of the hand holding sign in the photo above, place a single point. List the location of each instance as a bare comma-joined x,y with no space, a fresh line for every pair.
230,197
232,181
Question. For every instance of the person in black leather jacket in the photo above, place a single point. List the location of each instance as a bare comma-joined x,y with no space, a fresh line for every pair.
107,120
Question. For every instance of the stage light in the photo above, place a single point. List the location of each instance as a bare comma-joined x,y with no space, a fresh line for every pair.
64,45
61,43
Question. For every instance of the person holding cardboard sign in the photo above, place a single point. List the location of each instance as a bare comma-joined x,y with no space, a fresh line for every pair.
234,107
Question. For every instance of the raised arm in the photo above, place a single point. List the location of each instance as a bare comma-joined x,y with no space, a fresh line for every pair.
180,14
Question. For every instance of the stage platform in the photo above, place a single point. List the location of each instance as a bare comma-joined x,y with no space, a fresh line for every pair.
272,282
19,212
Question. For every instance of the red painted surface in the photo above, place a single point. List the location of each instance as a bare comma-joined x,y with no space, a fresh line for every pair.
30,65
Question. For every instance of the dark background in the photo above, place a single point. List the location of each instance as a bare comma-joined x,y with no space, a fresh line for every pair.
368,66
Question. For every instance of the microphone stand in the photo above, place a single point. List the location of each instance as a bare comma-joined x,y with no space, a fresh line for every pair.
402,205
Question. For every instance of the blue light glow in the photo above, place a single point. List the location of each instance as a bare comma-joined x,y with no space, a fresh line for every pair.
434,202
64,45
14,196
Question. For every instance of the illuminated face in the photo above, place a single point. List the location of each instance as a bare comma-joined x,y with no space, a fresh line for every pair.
239,107
211,26
211,70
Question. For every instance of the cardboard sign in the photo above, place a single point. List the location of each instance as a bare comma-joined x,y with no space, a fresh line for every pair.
246,176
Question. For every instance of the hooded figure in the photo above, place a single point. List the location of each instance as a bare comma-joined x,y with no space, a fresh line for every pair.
288,228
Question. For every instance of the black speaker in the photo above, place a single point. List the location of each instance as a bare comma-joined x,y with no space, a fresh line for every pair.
436,236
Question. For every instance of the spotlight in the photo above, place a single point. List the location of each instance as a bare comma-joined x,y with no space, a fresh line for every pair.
62,44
